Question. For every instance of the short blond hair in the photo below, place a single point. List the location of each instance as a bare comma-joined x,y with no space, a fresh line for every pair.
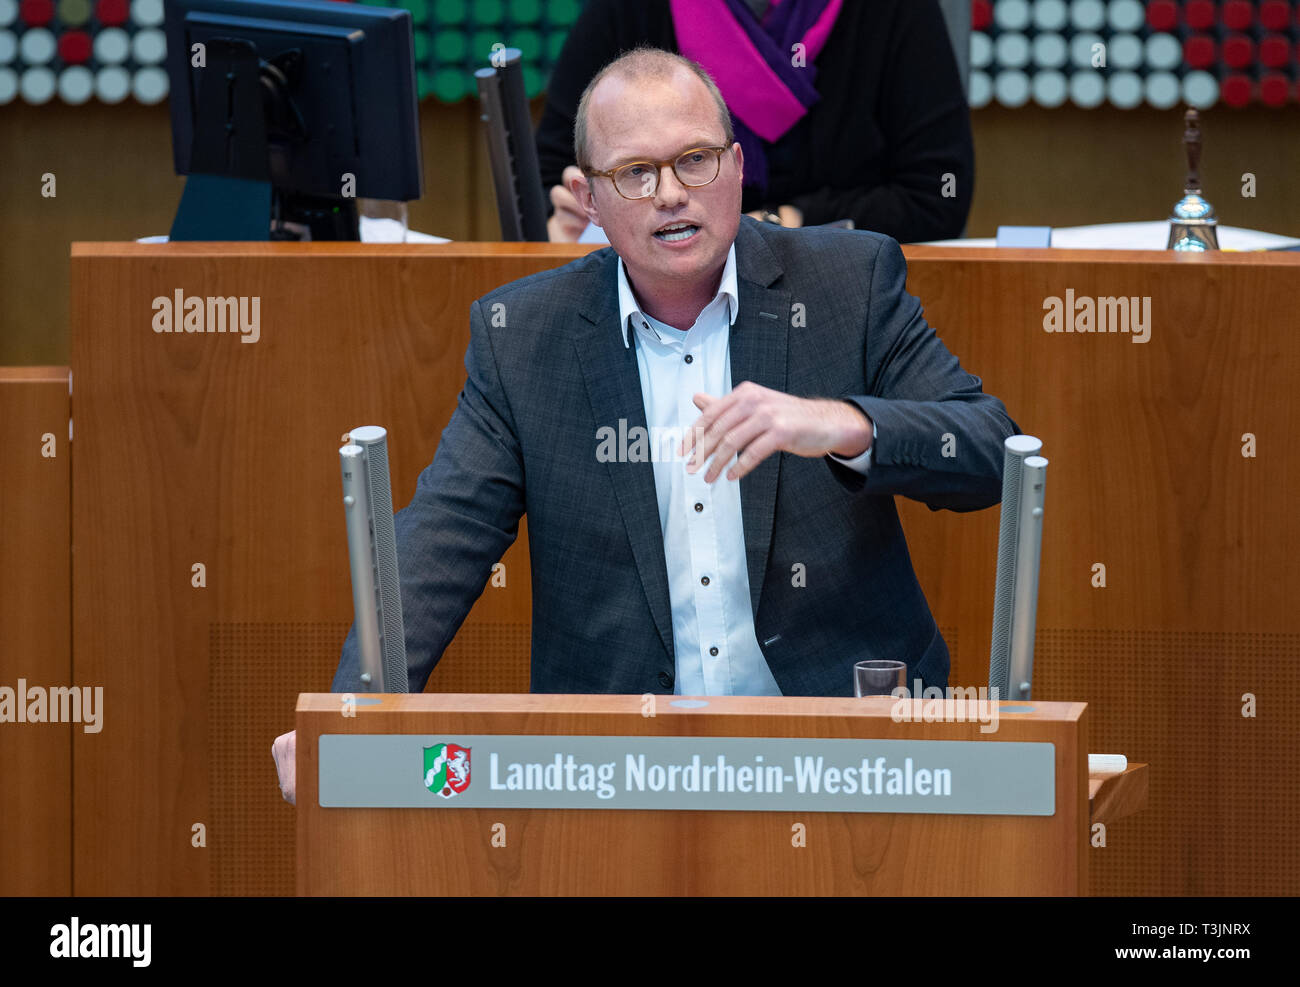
645,63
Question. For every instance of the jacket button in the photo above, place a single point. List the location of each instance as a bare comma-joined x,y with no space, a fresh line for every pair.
665,680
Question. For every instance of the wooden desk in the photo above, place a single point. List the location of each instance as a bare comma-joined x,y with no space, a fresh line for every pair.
1114,796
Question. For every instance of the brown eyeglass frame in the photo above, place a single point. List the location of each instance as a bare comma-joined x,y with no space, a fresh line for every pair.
659,166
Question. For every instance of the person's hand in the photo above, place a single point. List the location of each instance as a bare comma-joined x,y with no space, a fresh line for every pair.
285,752
568,220
790,217
756,421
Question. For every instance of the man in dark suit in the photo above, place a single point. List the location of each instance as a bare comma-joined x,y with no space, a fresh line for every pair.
792,366
839,396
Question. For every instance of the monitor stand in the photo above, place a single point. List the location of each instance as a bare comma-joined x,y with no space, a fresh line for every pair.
233,137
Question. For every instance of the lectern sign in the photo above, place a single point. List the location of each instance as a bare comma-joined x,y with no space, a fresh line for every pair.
761,774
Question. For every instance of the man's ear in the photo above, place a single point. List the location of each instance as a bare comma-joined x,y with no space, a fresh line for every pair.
740,161
580,186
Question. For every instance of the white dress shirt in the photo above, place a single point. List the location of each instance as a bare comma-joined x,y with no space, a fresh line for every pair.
703,531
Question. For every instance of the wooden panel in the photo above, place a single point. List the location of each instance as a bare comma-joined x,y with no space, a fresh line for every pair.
633,852
1147,478
1060,167
1033,166
127,188
205,450
35,610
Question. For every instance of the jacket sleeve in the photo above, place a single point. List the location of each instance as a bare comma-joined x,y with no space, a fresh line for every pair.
939,437
464,515
925,120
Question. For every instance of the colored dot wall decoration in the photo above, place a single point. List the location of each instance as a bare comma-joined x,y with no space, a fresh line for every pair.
1089,53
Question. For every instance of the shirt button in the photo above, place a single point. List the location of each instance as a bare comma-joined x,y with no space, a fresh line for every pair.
698,508
704,580
714,652
689,358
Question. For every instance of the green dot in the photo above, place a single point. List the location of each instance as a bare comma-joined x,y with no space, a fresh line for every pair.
525,11
554,44
421,47
375,3
528,42
487,12
449,46
424,84
533,80
480,46
449,84
74,12
449,11
563,12
419,10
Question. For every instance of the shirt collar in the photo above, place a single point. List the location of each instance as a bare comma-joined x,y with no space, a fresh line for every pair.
628,307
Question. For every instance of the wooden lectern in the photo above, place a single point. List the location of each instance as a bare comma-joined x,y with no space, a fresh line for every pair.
409,833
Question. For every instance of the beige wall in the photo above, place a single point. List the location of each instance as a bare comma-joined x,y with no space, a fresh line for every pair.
1066,167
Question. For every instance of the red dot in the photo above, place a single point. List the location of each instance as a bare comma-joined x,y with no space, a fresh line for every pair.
981,14
1238,14
1199,51
1274,89
36,13
112,12
1236,90
1198,14
1238,51
1274,14
1162,15
74,47
1274,51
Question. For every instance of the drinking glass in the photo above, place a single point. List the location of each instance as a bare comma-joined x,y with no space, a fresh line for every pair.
878,677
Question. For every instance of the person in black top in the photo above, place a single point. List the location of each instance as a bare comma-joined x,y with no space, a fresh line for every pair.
886,139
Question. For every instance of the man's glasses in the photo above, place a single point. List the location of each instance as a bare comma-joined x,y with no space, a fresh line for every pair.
640,179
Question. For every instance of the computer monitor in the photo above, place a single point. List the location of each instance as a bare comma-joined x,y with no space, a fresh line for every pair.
285,111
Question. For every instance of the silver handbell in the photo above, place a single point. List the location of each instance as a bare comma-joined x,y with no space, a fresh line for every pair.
1193,225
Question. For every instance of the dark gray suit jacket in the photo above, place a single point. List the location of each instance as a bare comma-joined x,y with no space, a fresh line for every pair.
823,313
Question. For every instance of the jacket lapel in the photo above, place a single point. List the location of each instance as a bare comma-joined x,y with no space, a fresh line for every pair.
759,340
614,389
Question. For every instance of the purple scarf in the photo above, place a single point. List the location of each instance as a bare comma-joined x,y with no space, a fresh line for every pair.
751,63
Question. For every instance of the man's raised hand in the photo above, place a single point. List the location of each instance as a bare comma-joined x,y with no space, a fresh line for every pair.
755,421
